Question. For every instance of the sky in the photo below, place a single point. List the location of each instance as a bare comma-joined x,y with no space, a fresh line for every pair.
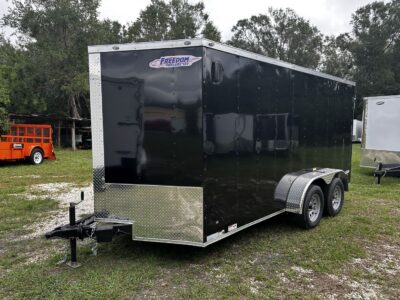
332,17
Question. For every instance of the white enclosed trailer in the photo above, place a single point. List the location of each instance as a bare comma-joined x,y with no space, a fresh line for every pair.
381,132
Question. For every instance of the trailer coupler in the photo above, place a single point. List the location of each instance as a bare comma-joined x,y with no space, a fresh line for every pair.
86,228
383,169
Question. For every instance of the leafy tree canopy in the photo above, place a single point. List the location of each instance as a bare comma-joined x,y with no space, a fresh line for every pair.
370,53
51,65
375,47
54,66
337,58
6,75
176,19
280,34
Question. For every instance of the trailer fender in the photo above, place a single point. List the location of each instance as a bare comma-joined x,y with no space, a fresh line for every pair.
292,188
30,149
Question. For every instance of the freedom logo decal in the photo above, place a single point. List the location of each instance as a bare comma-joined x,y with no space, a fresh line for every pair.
176,61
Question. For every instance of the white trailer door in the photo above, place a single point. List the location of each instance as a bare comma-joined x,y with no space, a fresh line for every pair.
383,124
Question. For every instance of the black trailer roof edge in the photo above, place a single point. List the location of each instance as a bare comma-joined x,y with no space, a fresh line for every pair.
213,45
274,61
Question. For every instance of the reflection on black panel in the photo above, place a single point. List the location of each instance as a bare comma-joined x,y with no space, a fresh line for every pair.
123,129
261,122
152,119
228,133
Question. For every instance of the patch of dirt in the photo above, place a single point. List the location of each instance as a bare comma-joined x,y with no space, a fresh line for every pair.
37,255
41,254
372,277
395,212
26,176
255,286
301,270
63,193
161,289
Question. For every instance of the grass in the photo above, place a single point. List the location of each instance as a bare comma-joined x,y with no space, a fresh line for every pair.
17,177
261,262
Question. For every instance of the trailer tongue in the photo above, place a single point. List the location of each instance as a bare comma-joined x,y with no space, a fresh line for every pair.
86,227
194,141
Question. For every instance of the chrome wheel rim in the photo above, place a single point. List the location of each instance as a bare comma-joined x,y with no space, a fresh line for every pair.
314,207
337,198
37,158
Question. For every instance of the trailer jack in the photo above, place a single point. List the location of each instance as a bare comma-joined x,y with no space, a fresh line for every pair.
386,169
86,228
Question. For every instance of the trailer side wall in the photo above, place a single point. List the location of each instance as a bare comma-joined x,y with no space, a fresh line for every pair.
262,121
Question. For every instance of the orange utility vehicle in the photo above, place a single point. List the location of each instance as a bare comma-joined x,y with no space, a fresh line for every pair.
27,141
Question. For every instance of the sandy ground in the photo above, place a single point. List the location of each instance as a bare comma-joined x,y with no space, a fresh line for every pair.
63,193
382,260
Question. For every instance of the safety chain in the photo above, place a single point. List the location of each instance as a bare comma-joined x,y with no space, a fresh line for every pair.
95,244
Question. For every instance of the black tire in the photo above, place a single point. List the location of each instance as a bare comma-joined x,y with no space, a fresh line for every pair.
334,197
36,157
310,218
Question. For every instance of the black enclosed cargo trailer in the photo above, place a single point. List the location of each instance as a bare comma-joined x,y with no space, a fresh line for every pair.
195,140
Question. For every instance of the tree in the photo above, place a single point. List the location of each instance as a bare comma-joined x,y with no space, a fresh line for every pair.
19,80
337,58
50,64
280,34
110,32
370,52
6,73
376,48
55,52
4,99
177,19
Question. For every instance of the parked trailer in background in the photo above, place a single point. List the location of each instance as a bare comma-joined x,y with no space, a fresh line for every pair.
194,141
32,142
380,146
357,131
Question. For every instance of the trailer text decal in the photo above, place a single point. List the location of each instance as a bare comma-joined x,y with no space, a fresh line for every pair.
174,61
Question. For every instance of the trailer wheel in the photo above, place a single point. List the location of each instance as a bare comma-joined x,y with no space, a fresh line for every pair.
313,207
36,157
335,197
